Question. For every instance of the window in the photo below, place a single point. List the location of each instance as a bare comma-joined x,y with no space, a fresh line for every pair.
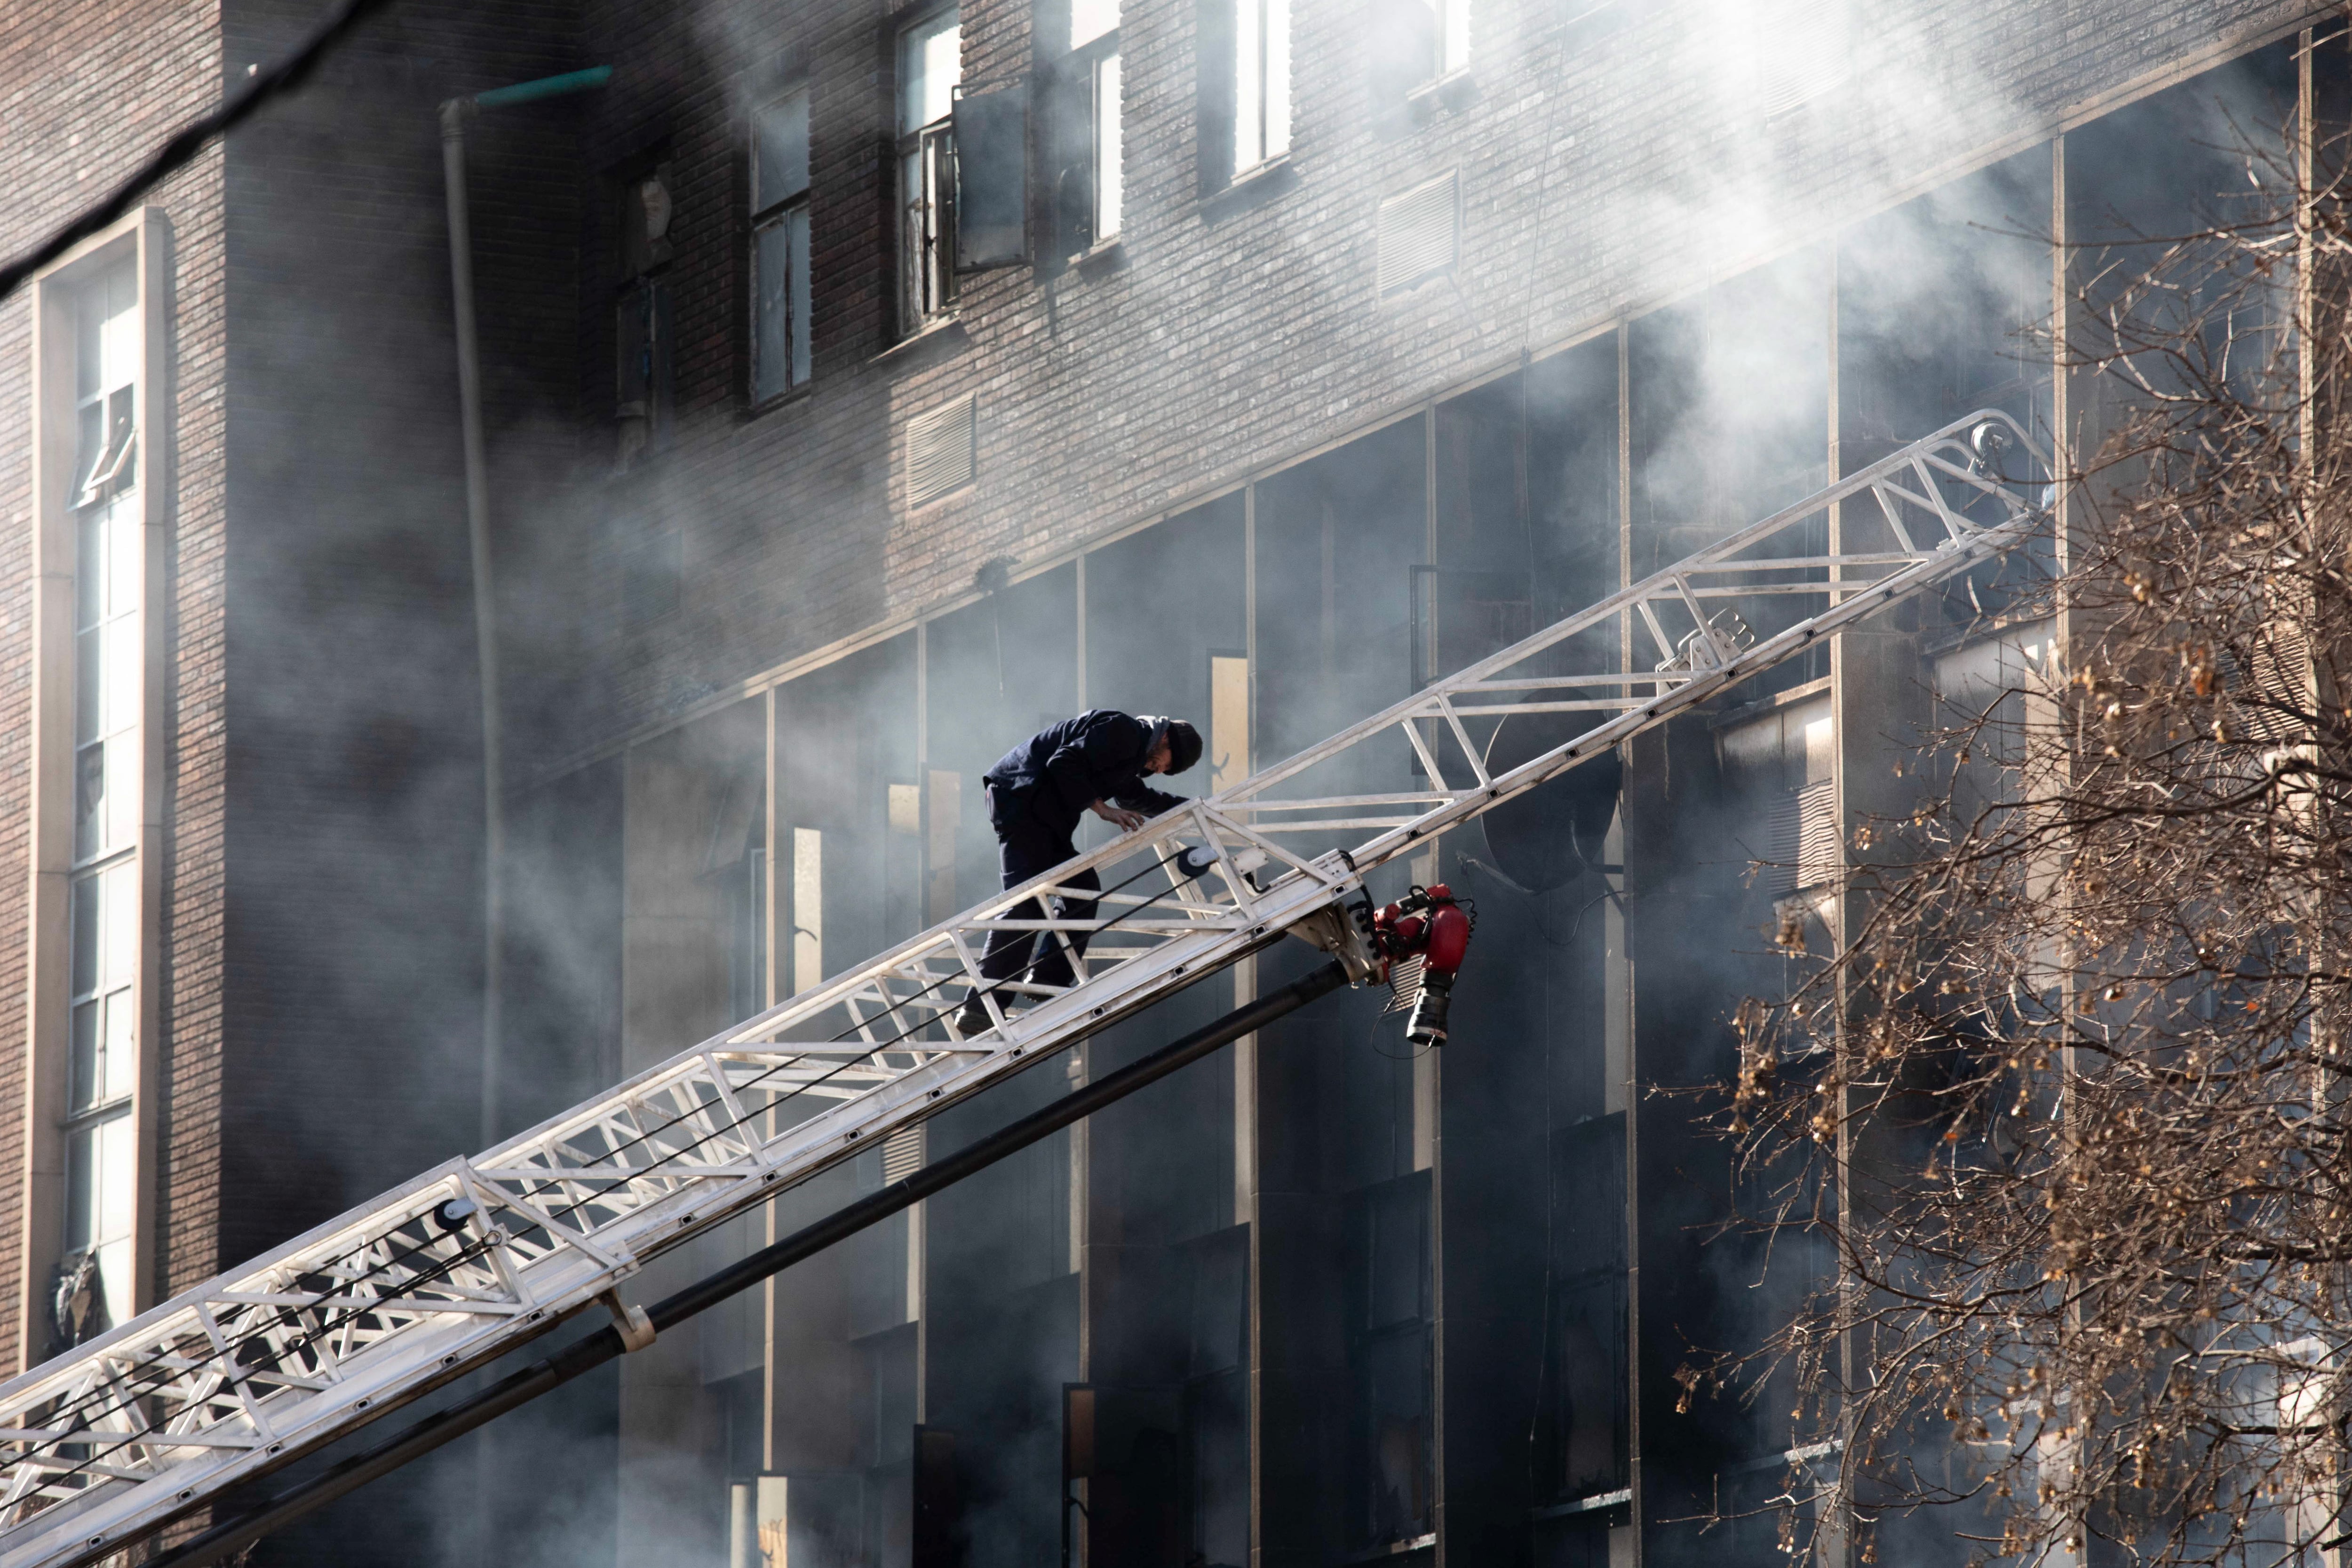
643,406
930,64
780,246
1261,82
102,895
1448,22
1391,1347
1087,189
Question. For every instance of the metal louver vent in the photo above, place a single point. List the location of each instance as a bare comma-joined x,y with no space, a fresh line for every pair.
902,1153
2276,689
1800,847
1417,234
1802,51
939,451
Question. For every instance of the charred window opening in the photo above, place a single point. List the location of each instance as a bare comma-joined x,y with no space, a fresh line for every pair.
1083,132
1391,1361
1420,51
930,65
781,355
643,405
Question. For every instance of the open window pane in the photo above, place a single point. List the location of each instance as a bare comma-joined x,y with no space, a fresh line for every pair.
991,175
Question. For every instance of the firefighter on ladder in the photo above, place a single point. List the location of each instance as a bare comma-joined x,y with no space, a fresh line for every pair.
1036,794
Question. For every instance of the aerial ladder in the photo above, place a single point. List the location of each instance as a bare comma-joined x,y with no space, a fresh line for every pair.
247,1373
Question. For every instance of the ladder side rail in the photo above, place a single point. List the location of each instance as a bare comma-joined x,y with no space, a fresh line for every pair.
643,1200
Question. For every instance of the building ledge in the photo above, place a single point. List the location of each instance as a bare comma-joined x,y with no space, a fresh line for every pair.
1250,188
937,340
1594,1504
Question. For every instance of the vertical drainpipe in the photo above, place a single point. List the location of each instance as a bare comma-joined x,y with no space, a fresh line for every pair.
453,114
478,533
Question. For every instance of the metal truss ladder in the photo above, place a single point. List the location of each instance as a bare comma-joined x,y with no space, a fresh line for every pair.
250,1370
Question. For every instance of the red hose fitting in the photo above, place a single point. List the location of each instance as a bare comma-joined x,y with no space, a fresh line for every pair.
1444,938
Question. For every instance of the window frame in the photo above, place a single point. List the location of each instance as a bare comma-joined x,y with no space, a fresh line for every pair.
126,492
641,289
1074,128
1451,24
791,211
924,159
1260,23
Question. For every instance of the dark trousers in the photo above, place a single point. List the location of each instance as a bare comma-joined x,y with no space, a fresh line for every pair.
1026,847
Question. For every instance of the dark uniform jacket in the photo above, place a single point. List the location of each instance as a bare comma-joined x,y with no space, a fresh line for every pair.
1057,773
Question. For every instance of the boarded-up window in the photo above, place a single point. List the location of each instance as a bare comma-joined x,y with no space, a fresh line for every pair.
1229,716
939,457
1417,233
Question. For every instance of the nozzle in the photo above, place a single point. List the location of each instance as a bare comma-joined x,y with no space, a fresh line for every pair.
1427,1025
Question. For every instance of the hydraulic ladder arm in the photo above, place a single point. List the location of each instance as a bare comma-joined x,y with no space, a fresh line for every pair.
247,1371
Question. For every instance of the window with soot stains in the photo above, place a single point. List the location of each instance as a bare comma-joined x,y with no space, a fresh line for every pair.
780,357
1084,125
644,403
930,65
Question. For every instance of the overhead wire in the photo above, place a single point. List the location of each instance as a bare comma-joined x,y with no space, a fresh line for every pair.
266,84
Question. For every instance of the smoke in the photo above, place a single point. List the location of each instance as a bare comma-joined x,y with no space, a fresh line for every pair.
627,599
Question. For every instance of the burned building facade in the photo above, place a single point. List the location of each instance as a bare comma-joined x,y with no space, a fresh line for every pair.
866,388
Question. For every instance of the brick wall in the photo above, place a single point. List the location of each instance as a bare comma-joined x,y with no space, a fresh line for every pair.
86,92
1606,163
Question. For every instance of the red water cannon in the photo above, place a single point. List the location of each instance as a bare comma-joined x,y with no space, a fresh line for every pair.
1430,924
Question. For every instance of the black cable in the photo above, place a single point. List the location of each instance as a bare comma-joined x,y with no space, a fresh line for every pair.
271,82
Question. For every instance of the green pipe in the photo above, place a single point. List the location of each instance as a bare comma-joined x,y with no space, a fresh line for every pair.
545,87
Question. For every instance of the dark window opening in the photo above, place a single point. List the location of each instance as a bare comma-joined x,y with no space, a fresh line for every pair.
1391,1355
930,64
780,356
1083,132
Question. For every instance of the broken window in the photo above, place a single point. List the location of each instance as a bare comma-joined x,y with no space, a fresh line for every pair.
643,406
1086,129
780,246
930,64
